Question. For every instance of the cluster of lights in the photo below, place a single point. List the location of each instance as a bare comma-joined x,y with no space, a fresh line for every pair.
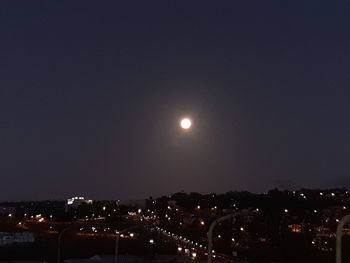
79,199
322,245
214,208
106,229
241,228
187,251
151,241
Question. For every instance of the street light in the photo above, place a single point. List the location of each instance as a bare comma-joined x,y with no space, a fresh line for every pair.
59,242
119,234
210,233
339,234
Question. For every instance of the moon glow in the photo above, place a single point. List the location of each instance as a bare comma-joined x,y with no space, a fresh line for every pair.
185,123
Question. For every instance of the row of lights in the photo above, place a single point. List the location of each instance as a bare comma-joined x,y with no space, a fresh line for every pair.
257,210
168,233
189,241
321,194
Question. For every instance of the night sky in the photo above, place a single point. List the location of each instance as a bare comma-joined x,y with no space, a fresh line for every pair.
91,94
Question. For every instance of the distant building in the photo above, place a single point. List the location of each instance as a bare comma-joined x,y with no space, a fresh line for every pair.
77,201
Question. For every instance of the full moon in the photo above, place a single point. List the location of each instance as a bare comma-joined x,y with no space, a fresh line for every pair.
186,123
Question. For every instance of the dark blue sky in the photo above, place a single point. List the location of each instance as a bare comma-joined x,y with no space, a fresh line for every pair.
91,93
